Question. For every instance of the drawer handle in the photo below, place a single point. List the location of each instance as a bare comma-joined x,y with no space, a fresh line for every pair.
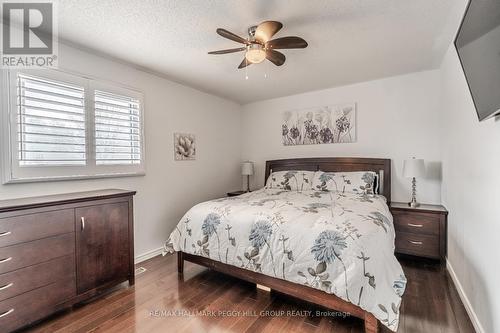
415,225
415,242
5,260
83,222
6,233
6,313
7,286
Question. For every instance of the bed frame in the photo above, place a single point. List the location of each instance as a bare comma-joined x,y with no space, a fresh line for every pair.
381,166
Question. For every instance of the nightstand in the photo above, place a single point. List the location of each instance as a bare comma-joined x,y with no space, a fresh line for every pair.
420,231
235,193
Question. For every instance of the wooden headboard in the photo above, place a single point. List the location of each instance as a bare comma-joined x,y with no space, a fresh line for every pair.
381,166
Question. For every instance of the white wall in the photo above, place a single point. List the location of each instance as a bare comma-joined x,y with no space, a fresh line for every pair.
169,188
397,118
470,191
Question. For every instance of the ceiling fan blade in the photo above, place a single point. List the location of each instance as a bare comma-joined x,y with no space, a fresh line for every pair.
244,63
229,35
290,42
275,57
228,51
266,30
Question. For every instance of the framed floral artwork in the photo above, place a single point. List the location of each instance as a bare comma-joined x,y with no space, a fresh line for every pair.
318,125
184,146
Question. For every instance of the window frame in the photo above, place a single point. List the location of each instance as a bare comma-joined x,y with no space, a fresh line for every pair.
14,173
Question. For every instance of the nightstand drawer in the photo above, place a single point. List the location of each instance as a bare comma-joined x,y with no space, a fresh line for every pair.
417,244
416,222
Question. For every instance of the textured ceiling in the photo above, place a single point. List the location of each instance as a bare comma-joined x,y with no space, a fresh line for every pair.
349,40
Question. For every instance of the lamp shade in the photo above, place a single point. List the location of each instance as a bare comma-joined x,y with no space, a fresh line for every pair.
247,168
414,167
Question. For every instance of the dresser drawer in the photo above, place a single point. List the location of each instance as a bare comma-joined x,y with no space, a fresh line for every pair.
25,228
421,223
417,244
31,253
24,309
25,279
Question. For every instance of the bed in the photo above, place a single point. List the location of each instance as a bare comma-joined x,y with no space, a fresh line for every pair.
331,248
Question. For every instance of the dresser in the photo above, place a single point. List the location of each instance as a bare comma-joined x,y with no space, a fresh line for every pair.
59,250
420,231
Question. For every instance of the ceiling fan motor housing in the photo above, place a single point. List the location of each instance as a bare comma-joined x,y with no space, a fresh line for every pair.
251,32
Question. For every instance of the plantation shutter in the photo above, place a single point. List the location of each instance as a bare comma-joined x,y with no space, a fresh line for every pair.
117,129
50,122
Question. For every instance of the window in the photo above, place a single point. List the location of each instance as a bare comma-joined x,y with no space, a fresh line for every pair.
117,129
63,126
50,122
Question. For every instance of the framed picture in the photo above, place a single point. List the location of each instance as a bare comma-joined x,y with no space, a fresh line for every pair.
184,146
319,125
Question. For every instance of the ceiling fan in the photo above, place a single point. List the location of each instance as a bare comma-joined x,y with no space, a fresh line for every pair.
259,45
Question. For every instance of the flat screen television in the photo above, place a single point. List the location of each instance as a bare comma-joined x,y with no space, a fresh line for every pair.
478,46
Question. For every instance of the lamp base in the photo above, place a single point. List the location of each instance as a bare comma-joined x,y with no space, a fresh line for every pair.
413,204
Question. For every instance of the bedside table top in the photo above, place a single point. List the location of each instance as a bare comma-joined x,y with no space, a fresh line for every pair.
422,207
235,193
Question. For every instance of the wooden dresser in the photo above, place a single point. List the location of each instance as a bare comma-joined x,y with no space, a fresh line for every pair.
420,231
59,250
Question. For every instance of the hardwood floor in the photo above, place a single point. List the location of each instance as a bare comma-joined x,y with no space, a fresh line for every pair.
430,304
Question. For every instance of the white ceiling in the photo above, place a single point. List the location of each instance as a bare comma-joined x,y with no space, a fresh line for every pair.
349,40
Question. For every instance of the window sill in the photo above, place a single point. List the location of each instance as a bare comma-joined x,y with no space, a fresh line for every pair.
70,178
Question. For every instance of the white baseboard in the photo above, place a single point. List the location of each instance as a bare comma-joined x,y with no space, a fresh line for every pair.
148,255
468,307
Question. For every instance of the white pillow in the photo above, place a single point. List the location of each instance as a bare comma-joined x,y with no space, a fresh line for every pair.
291,180
360,182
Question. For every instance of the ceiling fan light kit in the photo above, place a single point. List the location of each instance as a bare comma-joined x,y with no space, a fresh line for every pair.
255,53
259,46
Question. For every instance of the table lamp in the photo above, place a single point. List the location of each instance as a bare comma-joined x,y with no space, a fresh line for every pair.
414,168
247,170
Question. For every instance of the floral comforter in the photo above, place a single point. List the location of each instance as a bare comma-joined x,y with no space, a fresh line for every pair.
340,243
